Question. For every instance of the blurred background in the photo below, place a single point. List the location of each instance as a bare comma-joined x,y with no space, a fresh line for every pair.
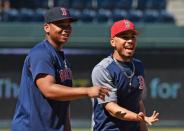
160,47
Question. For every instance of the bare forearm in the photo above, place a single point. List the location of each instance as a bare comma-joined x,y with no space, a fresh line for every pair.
46,84
64,93
143,126
121,113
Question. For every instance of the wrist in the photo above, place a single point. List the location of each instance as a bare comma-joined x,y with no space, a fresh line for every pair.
139,118
87,92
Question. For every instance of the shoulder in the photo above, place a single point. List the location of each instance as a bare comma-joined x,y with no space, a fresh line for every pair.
40,47
138,66
105,62
40,53
138,62
39,50
102,65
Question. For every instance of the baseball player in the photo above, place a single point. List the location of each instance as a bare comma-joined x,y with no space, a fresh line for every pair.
45,90
123,109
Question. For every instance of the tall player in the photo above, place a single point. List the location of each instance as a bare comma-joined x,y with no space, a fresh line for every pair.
45,90
123,109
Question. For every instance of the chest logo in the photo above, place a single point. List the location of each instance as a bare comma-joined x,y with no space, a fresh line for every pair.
141,82
65,74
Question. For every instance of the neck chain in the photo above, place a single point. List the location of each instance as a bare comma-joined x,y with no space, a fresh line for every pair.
125,73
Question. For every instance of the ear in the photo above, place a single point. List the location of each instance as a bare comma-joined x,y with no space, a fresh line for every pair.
47,28
112,42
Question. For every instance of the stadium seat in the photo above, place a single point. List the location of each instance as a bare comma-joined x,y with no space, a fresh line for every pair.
135,15
150,16
103,15
63,3
75,13
39,15
166,17
142,4
156,4
88,15
124,4
26,15
81,4
106,4
119,15
11,15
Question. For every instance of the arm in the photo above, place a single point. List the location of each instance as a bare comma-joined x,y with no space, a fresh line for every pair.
46,84
143,126
122,113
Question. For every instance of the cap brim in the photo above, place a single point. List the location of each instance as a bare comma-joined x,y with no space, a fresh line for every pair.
135,31
70,19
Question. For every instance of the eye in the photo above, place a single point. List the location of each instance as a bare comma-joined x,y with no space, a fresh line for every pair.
127,37
64,26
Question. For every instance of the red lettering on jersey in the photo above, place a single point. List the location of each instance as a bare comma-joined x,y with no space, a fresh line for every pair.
141,82
65,74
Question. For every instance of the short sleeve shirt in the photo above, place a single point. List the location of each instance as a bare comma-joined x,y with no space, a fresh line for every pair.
108,73
35,112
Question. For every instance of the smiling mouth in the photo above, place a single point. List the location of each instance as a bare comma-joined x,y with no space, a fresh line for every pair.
129,47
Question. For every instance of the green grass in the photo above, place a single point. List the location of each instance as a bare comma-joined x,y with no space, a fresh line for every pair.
151,129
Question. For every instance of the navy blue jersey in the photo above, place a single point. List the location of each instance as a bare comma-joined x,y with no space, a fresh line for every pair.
34,112
125,92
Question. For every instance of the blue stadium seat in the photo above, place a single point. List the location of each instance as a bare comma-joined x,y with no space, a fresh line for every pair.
81,4
75,13
157,4
39,15
26,15
166,17
142,4
119,15
150,16
63,3
124,4
88,15
11,15
103,15
135,15
106,4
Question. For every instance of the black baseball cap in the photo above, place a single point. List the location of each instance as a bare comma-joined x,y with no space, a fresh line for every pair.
58,14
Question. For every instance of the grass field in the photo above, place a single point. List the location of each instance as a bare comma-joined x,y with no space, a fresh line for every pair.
151,129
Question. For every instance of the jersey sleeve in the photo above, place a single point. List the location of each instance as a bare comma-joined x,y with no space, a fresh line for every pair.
101,77
41,63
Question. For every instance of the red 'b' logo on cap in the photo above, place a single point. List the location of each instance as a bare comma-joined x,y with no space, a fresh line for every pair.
63,11
127,24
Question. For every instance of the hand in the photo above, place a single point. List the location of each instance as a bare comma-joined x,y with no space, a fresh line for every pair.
98,91
152,119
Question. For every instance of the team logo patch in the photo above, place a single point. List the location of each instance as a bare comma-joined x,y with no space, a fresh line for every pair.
63,12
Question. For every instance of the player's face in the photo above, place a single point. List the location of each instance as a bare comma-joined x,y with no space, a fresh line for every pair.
58,32
124,45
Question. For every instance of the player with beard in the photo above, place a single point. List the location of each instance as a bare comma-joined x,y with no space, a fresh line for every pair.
123,109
